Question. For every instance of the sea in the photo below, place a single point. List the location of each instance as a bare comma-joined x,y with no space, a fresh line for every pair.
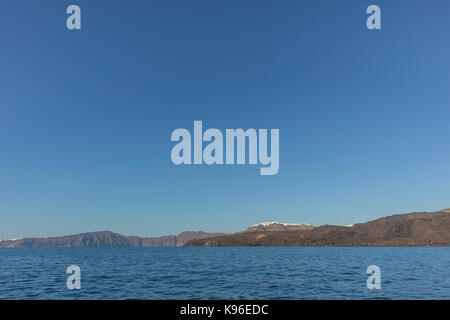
226,273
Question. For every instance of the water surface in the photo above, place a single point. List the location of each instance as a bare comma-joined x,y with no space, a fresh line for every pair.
225,273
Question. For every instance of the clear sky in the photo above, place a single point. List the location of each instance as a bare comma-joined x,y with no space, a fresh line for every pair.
86,116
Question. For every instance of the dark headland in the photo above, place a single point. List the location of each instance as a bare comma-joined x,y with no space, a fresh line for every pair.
411,229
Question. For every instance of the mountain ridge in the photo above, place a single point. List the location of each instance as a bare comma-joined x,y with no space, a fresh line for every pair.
107,239
410,229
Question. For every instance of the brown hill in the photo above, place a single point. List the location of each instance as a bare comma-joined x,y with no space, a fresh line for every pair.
413,229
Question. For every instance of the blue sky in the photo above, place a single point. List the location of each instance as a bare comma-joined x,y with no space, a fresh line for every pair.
86,116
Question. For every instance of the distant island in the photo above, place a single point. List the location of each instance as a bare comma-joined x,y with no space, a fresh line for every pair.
106,239
411,229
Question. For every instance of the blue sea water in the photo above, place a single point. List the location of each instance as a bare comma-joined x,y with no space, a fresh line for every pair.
226,273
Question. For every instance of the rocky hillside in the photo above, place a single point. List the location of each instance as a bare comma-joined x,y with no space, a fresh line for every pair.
107,239
413,229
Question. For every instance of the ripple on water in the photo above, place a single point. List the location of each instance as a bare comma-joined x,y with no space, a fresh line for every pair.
225,273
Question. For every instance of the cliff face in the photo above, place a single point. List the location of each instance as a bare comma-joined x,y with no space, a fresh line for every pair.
186,236
106,239
414,229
